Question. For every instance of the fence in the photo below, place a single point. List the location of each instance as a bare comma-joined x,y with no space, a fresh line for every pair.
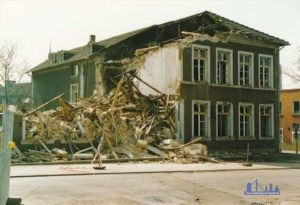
5,155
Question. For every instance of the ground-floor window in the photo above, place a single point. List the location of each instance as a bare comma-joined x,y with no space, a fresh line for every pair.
224,120
74,92
200,118
246,124
266,121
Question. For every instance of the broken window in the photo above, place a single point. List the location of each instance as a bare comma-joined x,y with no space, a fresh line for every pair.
296,107
200,63
266,128
73,92
224,117
245,68
200,119
246,118
265,71
223,67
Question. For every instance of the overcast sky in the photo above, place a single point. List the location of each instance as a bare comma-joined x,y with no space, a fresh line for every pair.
67,24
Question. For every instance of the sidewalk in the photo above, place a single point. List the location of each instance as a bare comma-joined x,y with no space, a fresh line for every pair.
130,168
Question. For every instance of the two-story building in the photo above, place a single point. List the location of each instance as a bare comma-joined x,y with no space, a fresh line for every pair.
289,114
226,74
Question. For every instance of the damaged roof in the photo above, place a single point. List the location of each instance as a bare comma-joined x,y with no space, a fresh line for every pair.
83,52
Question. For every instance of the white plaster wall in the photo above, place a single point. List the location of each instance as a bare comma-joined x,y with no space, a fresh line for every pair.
162,70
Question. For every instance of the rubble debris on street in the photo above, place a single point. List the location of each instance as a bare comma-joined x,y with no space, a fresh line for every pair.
131,124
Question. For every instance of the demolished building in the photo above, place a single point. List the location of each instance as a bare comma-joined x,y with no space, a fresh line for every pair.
225,76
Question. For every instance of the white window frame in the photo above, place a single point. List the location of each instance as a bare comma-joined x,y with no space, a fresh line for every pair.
296,113
251,71
71,93
271,71
230,72
208,137
272,122
252,130
76,67
230,137
207,65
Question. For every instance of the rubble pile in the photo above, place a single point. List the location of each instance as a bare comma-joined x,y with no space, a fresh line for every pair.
134,125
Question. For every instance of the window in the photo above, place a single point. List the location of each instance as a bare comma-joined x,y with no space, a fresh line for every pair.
266,121
200,63
224,120
73,92
75,70
245,68
224,66
246,123
201,114
265,71
296,107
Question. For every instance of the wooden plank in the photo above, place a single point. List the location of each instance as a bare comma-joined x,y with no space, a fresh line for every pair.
157,151
43,105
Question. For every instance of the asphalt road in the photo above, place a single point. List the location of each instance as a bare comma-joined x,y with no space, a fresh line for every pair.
221,187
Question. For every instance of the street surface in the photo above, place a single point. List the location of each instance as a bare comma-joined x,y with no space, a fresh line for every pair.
193,187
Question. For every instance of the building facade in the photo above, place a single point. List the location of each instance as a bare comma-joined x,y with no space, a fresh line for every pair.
226,74
289,114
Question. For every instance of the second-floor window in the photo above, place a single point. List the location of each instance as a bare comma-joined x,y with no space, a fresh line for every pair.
224,66
200,63
265,71
245,68
296,107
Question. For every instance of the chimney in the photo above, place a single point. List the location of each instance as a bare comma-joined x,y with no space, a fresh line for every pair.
92,39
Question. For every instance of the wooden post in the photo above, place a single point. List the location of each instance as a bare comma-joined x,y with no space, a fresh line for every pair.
296,137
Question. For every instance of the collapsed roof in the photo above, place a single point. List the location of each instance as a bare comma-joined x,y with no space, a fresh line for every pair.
205,23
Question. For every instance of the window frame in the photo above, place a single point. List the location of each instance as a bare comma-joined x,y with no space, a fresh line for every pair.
230,71
71,93
252,116
251,72
296,113
207,66
208,137
76,67
230,137
272,122
271,71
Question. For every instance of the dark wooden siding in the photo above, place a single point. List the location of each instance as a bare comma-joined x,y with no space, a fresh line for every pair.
214,93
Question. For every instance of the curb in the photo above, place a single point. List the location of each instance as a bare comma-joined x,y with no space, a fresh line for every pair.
151,172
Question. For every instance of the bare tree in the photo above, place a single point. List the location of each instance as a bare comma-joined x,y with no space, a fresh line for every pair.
294,73
12,66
